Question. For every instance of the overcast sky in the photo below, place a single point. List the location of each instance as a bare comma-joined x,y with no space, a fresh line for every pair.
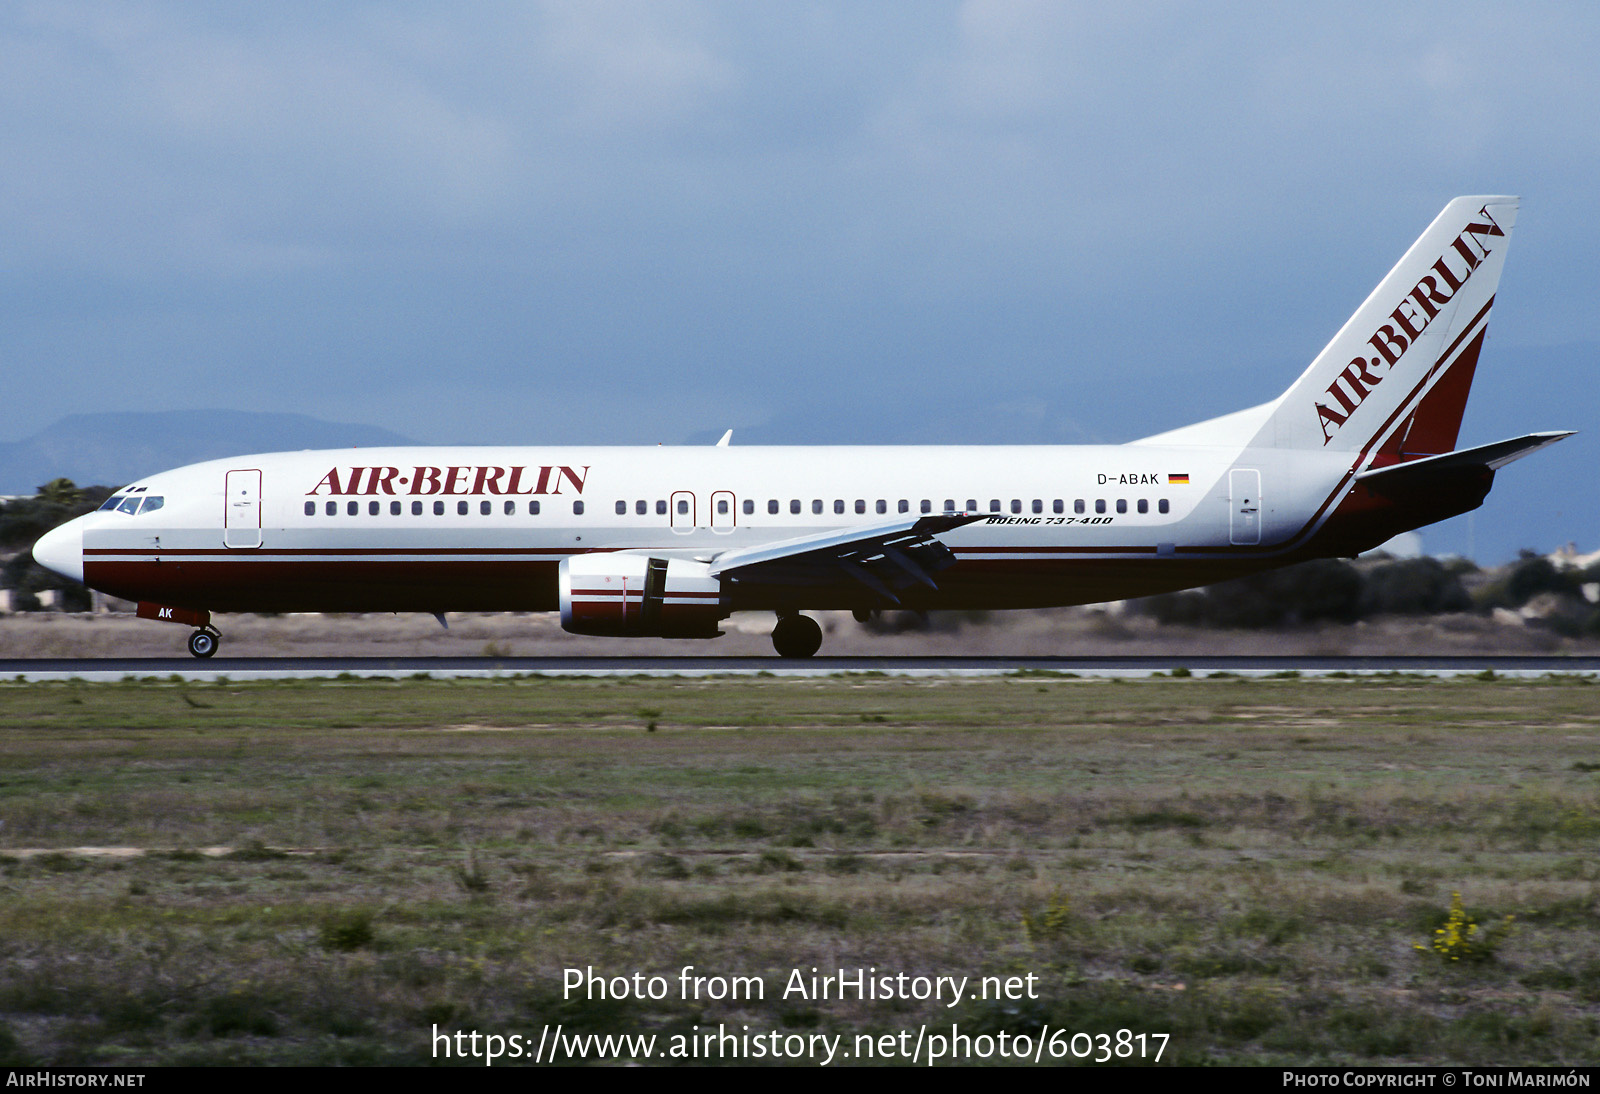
831,222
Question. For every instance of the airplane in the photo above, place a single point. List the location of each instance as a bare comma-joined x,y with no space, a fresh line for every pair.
669,541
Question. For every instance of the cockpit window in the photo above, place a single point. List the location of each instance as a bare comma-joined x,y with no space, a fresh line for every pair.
130,503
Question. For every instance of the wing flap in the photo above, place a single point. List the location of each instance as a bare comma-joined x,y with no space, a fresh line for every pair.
881,557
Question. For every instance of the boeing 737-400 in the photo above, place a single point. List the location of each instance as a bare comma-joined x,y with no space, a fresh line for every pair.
670,541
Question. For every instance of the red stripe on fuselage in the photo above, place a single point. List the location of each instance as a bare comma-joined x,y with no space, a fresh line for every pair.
332,586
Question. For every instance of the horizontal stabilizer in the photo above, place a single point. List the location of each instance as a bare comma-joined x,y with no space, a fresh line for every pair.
1490,457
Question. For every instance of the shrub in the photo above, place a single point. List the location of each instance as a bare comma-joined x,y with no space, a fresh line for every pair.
1413,586
1461,940
1051,921
348,931
1323,589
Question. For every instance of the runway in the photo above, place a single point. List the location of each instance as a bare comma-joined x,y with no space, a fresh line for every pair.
443,668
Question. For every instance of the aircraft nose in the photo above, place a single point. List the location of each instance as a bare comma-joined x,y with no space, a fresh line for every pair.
61,550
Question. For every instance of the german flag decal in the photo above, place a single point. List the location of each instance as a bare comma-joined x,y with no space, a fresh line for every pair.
1177,480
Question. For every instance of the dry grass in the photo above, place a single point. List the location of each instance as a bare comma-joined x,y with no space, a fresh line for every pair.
1247,865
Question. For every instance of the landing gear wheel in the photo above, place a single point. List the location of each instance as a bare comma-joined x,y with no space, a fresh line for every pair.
203,643
796,636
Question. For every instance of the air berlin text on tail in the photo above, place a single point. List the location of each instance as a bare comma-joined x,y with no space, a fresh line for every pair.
1411,316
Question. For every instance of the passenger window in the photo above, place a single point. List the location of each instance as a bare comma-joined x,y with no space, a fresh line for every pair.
838,505
461,508
577,508
749,507
622,508
1038,505
311,508
905,506
372,508
883,506
994,505
1122,505
485,507
416,508
861,505
816,505
641,508
511,508
1162,505
927,505
722,507
772,507
949,505
332,508
1100,505
438,508
794,506
1058,506
661,508
352,508
1144,505
533,508
972,505
1016,505
683,507
1077,505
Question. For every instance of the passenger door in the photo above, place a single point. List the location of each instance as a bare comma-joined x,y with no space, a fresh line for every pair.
241,509
1244,494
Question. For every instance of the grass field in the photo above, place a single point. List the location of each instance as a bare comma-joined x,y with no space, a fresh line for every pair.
324,872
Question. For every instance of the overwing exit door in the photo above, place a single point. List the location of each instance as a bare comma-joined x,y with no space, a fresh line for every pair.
683,511
724,511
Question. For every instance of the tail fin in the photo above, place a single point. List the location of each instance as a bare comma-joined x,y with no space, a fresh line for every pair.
1396,376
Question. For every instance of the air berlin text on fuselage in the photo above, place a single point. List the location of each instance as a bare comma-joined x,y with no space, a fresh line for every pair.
451,480
1465,253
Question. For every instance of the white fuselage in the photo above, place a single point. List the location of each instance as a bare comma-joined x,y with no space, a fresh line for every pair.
443,529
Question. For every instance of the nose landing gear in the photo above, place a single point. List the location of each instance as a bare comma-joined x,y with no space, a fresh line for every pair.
796,635
203,643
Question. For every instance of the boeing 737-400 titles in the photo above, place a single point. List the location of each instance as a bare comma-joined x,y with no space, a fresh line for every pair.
670,541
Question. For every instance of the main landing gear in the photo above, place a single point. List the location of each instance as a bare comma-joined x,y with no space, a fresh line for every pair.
796,635
203,643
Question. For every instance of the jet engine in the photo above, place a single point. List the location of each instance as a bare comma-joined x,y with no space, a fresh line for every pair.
625,594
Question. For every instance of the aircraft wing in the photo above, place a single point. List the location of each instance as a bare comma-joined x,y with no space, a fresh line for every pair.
882,557
1490,457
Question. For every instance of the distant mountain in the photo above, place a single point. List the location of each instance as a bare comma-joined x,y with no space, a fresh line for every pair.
116,448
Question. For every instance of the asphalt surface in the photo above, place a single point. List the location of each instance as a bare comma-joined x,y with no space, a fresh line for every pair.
247,668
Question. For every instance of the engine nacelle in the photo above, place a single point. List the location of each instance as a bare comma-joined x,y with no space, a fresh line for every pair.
621,594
